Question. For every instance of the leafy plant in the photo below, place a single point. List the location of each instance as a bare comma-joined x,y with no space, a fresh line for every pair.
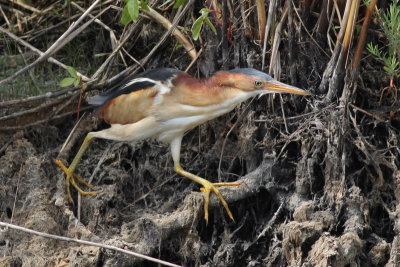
131,10
390,23
198,24
179,3
73,80
131,13
390,62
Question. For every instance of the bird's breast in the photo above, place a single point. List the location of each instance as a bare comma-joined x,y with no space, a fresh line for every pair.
180,118
170,109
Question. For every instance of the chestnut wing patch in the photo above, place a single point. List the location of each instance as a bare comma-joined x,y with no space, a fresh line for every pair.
128,101
128,108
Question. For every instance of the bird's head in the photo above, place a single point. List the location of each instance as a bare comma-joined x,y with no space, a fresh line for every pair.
255,82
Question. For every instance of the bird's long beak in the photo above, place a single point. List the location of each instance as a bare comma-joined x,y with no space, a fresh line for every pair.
277,87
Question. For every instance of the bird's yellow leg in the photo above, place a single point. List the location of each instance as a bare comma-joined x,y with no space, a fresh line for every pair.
207,188
71,177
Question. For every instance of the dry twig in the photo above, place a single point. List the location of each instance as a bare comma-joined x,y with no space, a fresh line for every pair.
56,45
84,242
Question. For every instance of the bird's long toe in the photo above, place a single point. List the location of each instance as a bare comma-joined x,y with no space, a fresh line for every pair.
72,179
209,187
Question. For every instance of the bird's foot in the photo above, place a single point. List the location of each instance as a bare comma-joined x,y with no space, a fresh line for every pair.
71,179
209,187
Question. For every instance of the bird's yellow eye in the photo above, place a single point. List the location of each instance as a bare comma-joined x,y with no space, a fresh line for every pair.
258,83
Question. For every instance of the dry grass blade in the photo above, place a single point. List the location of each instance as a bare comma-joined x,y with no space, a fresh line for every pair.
336,63
271,12
261,18
351,25
363,35
274,63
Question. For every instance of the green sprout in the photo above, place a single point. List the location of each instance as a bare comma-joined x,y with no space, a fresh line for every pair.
198,24
73,80
390,23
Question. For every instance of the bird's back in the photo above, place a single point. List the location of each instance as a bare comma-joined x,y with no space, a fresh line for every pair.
131,100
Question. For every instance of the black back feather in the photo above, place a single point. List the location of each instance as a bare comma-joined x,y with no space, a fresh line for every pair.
122,88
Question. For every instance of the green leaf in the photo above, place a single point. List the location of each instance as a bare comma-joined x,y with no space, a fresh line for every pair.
178,45
125,18
204,11
388,70
76,82
133,9
179,3
196,27
207,20
72,71
144,5
67,82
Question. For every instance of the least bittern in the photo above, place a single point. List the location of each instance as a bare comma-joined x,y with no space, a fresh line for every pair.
165,104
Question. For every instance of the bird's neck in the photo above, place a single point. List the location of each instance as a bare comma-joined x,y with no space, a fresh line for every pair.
206,92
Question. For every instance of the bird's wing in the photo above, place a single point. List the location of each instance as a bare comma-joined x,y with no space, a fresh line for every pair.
131,100
134,83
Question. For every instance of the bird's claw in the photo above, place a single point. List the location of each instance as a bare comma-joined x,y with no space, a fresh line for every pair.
209,187
71,179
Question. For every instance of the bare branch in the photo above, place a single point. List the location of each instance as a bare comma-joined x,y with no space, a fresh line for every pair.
87,243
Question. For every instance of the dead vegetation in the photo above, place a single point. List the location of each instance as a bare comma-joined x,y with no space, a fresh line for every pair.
320,175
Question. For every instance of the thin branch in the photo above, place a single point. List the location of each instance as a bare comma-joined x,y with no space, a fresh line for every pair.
28,7
4,16
165,36
48,95
14,128
54,47
194,60
87,243
32,110
177,33
34,49
71,134
128,34
113,37
306,30
134,68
